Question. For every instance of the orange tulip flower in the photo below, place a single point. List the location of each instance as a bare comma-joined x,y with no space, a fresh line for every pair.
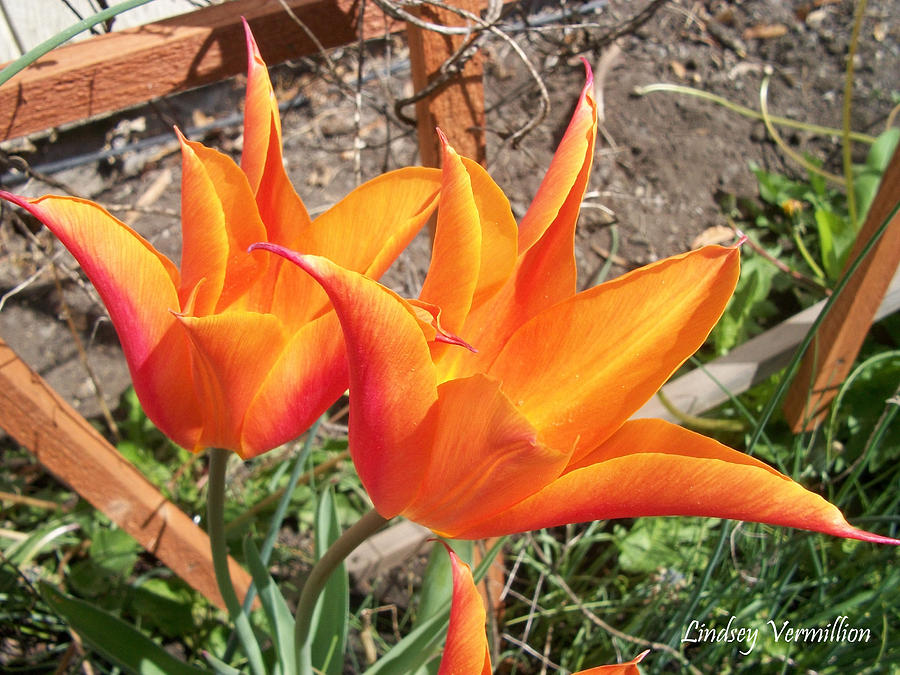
532,430
235,351
466,651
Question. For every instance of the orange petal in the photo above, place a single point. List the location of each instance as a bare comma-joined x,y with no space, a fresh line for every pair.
138,286
234,353
456,254
368,228
484,457
545,273
219,222
475,240
466,651
309,375
280,208
261,118
392,380
499,232
558,199
654,468
629,668
604,352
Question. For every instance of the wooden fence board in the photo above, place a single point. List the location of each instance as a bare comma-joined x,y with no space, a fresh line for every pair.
831,355
70,448
123,68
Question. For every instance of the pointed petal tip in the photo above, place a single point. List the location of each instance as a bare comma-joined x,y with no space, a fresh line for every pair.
446,148
14,199
450,339
851,532
253,55
304,261
588,74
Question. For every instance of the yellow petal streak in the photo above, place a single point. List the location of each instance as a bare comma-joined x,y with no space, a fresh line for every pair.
581,368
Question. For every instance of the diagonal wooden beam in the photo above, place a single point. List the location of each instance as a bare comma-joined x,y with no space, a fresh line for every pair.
831,355
70,448
123,68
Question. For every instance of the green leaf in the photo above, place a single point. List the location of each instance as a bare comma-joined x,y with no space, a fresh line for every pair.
836,237
114,550
219,666
281,622
118,641
329,633
164,603
416,649
868,178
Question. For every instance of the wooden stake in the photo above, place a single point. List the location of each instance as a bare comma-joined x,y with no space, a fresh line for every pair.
70,448
832,353
458,106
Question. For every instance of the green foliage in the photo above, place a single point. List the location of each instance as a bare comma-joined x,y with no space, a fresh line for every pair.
117,640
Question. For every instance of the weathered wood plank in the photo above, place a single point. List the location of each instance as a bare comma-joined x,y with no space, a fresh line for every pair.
118,69
70,448
458,106
831,355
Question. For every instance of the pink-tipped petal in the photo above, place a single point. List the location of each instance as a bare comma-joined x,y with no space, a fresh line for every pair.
262,123
558,199
138,285
629,668
392,380
654,468
280,207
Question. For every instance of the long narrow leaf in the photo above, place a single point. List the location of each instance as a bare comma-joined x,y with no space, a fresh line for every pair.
118,641
281,621
416,649
329,635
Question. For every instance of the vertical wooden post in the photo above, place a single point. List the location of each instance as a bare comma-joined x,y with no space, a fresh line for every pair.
841,334
70,448
458,106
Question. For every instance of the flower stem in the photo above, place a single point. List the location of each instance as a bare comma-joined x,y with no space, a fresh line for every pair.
356,534
215,514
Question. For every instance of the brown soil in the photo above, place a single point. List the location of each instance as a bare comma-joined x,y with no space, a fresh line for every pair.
662,160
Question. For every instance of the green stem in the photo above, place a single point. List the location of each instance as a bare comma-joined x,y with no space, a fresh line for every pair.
848,102
356,534
753,114
215,514
33,55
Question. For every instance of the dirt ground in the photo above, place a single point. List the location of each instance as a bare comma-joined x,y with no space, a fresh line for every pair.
662,163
